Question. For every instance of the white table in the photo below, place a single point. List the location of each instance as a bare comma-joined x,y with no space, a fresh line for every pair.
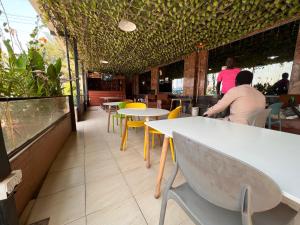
275,153
110,105
147,114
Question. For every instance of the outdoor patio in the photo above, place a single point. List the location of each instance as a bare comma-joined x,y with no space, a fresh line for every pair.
92,182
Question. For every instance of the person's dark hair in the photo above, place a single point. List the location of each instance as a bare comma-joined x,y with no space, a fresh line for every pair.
230,63
243,77
285,76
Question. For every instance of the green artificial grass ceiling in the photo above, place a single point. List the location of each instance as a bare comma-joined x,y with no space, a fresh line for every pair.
166,29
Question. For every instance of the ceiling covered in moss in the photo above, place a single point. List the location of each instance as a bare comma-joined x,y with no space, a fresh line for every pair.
258,49
166,29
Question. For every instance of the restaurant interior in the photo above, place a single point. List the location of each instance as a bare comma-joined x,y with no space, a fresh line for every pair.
135,143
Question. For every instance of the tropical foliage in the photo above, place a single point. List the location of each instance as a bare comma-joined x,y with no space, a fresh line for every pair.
28,73
166,29
265,88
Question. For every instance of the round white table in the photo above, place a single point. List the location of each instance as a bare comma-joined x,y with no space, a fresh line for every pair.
110,105
147,114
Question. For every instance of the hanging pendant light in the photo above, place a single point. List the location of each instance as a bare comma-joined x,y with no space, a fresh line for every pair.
126,25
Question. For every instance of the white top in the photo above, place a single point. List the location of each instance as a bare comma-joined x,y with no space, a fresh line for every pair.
111,103
148,112
275,153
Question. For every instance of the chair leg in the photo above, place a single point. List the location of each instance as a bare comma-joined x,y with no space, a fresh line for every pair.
280,125
160,140
121,123
145,149
172,149
153,140
163,210
126,138
113,123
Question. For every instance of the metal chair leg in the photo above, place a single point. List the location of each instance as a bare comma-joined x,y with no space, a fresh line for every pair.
163,209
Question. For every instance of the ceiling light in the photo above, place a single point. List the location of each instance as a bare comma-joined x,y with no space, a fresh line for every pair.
126,25
210,69
103,61
273,57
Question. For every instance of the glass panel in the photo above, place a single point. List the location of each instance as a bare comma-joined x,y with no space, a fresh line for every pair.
23,119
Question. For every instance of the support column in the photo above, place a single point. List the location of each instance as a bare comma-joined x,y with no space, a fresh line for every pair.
68,59
202,72
295,74
84,87
77,80
154,79
189,74
135,85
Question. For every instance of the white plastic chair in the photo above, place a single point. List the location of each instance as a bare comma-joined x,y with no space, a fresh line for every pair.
259,118
221,190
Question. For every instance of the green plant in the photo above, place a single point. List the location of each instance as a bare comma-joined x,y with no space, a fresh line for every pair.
28,73
265,88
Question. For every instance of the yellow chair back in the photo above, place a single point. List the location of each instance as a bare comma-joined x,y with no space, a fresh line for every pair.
175,113
136,105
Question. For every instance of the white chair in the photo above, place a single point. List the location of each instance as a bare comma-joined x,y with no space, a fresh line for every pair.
221,190
259,118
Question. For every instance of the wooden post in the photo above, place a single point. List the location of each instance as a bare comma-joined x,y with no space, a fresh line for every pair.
202,72
295,74
154,79
189,75
136,85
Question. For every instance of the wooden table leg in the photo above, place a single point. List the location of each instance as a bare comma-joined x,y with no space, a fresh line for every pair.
148,165
124,134
108,122
161,166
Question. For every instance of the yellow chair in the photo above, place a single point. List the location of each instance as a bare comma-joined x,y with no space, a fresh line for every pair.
172,115
131,123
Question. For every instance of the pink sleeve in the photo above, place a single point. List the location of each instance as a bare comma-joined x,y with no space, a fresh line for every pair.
220,77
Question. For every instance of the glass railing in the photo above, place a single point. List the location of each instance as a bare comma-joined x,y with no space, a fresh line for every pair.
24,119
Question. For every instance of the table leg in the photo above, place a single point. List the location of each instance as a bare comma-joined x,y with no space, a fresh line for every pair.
148,165
108,121
124,134
161,166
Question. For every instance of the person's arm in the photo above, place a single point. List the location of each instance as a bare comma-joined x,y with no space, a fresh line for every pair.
222,104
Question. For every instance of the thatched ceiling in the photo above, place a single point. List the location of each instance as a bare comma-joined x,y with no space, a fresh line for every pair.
167,29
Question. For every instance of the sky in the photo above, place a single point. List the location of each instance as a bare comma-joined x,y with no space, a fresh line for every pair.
22,18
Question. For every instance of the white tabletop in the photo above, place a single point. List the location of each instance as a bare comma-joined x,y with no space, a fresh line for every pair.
111,103
275,153
148,112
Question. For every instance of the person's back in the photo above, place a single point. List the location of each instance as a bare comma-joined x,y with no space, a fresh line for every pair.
227,78
248,101
281,87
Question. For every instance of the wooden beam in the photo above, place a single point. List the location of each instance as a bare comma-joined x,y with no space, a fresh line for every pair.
202,72
295,74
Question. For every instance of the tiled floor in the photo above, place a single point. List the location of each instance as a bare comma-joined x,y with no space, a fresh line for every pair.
93,183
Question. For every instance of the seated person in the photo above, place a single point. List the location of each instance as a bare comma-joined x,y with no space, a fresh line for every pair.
243,100
281,87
